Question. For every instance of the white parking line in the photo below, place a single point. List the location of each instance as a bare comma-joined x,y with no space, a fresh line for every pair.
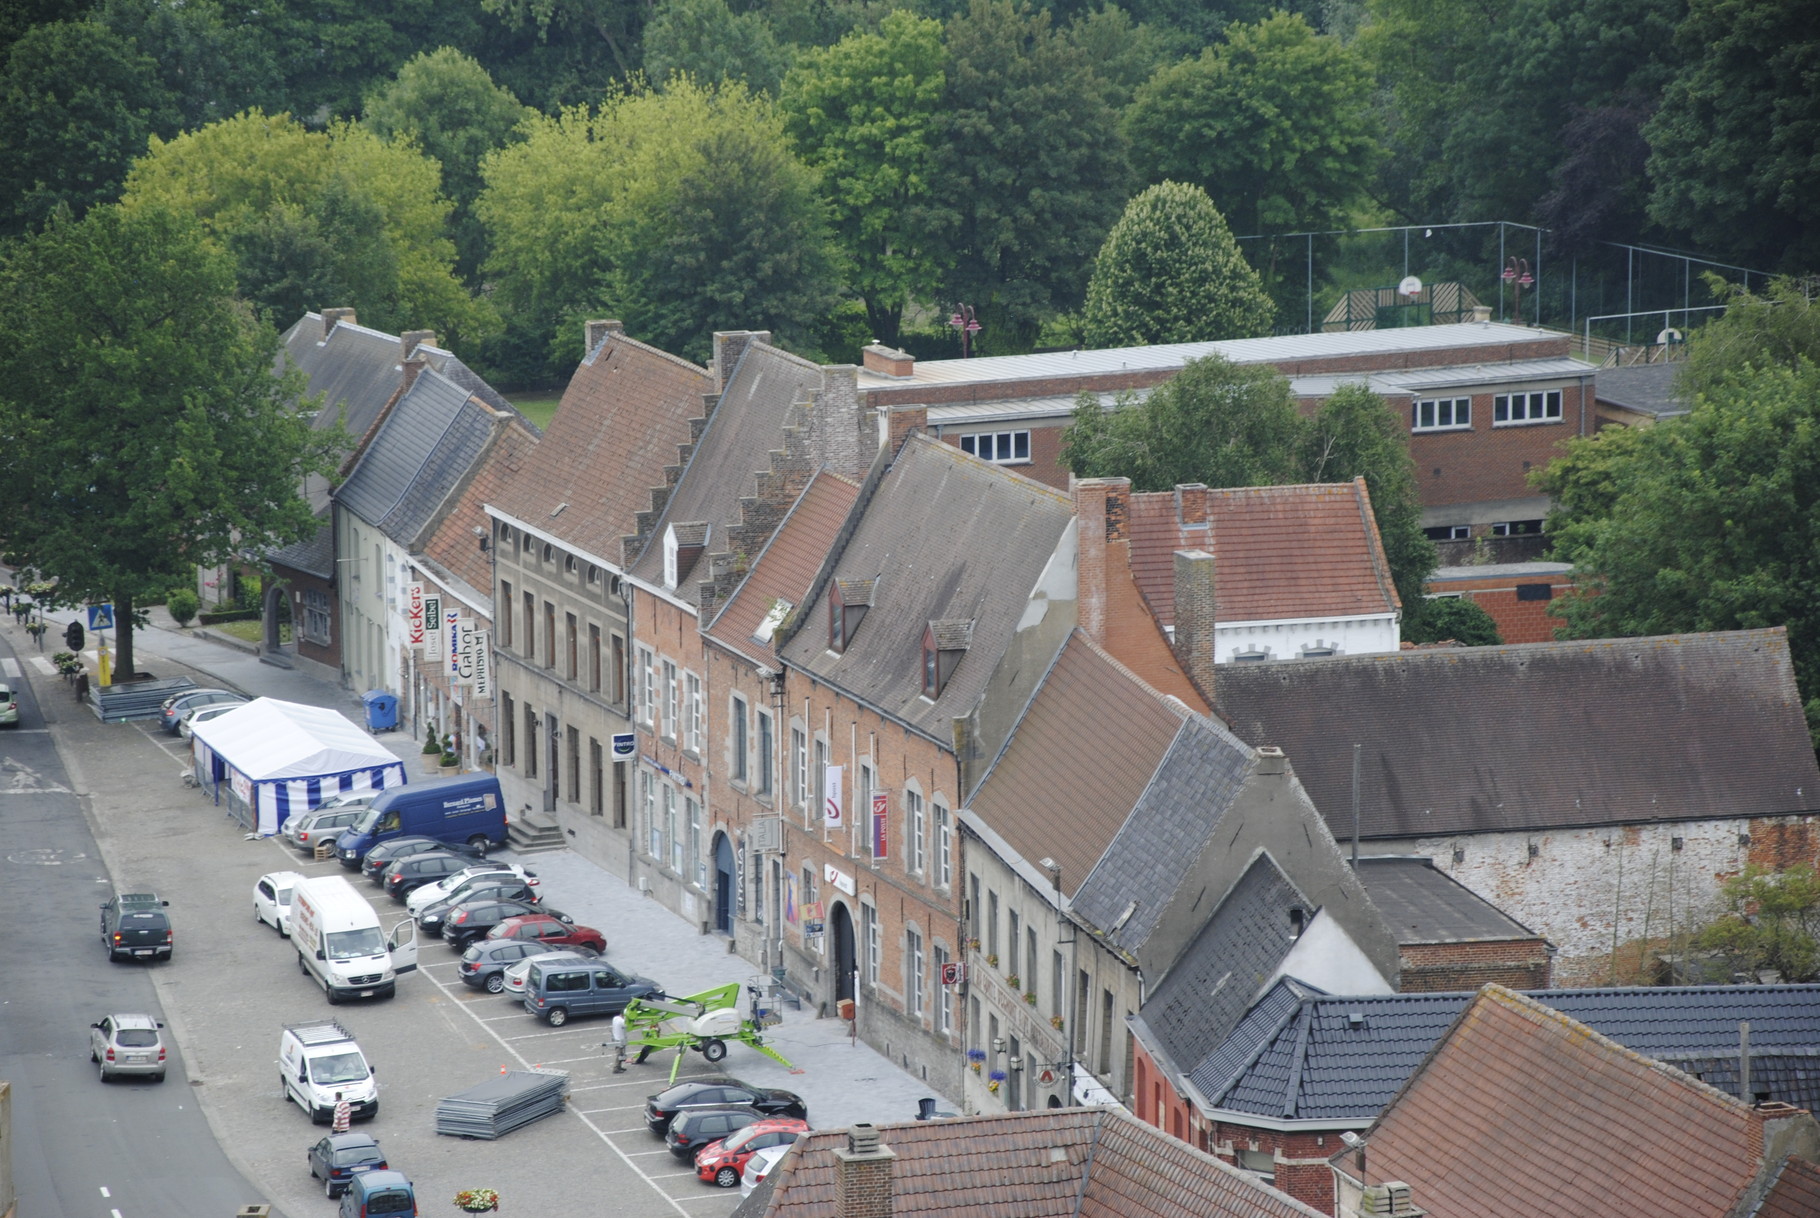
9,667
614,1108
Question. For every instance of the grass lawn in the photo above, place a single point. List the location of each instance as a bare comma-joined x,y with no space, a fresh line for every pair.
253,632
539,407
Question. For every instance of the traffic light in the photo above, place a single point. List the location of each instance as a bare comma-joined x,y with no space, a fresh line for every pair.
72,637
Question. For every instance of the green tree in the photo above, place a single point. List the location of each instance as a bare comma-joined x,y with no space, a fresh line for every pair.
214,62
446,104
1355,434
238,177
1772,923
615,25
1275,123
1778,329
1170,272
681,212
1710,521
142,432
707,40
1227,424
1029,172
1450,618
863,113
1732,148
77,104
1124,52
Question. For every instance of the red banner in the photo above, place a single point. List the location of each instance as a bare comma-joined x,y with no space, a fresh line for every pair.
881,815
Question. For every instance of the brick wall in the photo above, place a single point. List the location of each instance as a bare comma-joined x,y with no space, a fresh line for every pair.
1519,621
1520,964
1045,464
1486,462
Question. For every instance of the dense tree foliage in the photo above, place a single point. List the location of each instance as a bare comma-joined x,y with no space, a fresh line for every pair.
1170,272
706,40
681,212
863,112
1772,923
445,103
303,209
141,429
1451,619
1227,424
1029,169
1275,123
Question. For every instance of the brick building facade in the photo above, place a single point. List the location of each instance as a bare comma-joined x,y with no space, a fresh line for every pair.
1518,596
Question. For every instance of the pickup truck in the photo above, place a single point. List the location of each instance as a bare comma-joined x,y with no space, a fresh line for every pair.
135,926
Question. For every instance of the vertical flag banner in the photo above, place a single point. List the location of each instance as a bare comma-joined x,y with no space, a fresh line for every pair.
881,833
831,809
432,626
483,658
413,615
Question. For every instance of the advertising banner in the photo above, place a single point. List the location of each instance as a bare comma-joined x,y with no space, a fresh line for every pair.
881,834
831,808
433,644
413,615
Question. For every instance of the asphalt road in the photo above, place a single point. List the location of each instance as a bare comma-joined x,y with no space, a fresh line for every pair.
216,1135
82,1149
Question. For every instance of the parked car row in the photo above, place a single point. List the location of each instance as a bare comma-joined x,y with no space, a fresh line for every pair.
175,713
721,1124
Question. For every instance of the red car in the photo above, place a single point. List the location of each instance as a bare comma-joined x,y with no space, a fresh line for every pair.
541,928
722,1162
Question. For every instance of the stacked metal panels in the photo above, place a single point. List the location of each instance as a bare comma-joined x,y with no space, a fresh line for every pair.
500,1105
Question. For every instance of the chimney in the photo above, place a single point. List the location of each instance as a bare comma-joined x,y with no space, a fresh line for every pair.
332,317
1194,618
1101,514
1270,759
901,421
410,340
729,345
889,361
595,333
862,1175
1191,505
841,437
1392,1199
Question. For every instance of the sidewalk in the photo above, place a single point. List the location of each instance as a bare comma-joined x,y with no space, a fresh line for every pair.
843,1082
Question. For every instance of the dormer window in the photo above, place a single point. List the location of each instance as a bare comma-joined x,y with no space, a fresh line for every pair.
944,643
683,544
848,601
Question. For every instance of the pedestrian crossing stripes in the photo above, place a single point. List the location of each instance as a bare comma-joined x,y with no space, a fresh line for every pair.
9,667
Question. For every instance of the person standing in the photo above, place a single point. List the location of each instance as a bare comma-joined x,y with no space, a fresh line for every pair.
344,1115
619,1043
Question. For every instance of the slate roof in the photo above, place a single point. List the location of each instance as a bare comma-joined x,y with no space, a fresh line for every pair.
361,367
1410,381
1651,389
1279,552
620,422
1297,1055
1793,1193
1539,735
765,386
421,451
314,555
1423,904
1208,990
945,535
1522,1101
1054,1163
452,552
1200,775
1047,796
785,569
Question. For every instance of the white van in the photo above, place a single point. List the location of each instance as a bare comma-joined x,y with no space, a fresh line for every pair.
318,1062
341,943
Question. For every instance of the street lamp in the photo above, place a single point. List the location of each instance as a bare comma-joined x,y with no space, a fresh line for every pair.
1516,273
968,325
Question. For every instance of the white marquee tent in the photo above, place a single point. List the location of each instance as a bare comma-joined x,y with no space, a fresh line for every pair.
277,759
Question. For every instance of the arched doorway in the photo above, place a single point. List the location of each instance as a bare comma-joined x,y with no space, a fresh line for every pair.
723,884
277,609
842,926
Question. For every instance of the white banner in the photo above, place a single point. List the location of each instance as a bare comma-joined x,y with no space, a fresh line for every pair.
413,615
461,648
483,660
831,808
434,646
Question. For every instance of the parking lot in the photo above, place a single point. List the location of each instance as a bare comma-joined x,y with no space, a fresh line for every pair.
234,983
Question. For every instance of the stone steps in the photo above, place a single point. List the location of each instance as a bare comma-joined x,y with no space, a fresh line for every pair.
528,836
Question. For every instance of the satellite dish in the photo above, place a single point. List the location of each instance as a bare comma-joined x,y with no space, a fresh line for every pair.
1668,337
1411,286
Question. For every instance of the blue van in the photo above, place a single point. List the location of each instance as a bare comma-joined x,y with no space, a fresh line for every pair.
374,1193
468,808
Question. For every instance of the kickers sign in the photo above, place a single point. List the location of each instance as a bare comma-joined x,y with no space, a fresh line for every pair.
413,615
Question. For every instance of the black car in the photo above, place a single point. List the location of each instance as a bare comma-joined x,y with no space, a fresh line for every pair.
695,1128
373,866
430,917
338,1158
662,1108
407,875
471,920
134,926
484,964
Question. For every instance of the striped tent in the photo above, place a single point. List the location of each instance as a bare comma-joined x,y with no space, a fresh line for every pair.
270,760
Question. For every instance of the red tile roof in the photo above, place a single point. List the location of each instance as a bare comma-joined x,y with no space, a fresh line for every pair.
1520,1101
787,566
1084,751
454,546
619,425
1795,1193
1055,1163
1279,552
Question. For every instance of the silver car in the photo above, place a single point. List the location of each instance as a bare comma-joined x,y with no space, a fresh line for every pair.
127,1044
306,829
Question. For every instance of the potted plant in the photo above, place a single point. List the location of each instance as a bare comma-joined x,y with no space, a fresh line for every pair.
992,959
1013,981
449,762
1055,1021
477,1200
432,750
977,1059
994,1080
1030,997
